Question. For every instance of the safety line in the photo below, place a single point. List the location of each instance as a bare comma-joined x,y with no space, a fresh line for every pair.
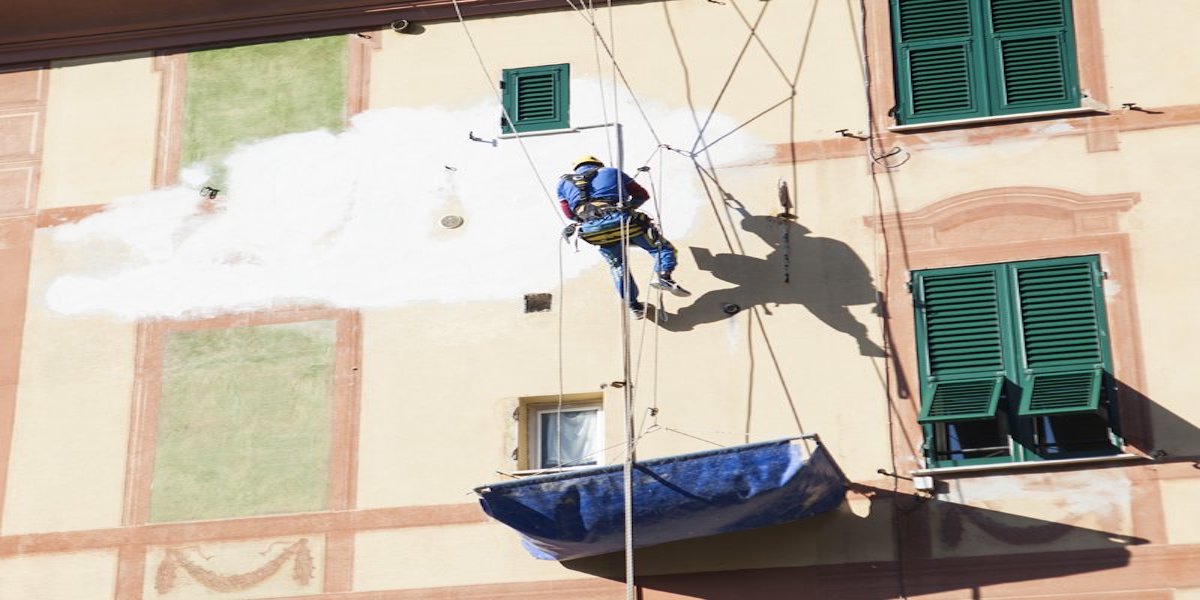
619,71
554,207
729,79
877,200
507,117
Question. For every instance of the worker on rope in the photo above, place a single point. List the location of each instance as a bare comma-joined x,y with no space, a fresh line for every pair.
603,200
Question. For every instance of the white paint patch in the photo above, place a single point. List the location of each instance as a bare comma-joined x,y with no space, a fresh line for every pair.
1076,493
958,147
351,219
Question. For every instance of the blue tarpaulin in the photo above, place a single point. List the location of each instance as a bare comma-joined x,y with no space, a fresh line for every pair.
581,512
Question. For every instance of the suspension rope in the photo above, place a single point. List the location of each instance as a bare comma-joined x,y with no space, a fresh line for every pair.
507,117
553,206
729,79
630,589
617,68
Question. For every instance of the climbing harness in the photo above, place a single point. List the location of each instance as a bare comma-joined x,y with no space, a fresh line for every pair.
604,222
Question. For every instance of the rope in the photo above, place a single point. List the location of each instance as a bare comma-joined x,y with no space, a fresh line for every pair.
507,117
897,526
630,590
553,206
617,69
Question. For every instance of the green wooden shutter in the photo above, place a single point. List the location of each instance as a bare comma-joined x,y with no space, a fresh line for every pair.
1063,335
939,60
1031,53
536,98
961,343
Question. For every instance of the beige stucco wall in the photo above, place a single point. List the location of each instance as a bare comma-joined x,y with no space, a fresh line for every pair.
1143,56
82,576
101,130
450,555
72,419
1179,497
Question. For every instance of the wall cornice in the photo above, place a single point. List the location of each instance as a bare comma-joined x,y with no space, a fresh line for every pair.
61,29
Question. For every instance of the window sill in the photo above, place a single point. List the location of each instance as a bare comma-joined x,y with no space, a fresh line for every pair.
535,472
576,129
1019,466
1099,109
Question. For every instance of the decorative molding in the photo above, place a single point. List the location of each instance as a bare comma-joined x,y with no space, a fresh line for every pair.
22,126
1066,214
1002,225
48,32
186,533
175,559
148,384
358,84
22,98
579,589
173,91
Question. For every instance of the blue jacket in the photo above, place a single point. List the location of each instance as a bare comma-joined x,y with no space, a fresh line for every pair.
602,187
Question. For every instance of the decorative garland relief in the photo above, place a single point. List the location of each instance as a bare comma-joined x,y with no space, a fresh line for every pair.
175,559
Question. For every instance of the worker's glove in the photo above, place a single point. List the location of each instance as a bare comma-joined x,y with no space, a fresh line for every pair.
569,231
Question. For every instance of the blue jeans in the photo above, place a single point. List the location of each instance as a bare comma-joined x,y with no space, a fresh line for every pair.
664,262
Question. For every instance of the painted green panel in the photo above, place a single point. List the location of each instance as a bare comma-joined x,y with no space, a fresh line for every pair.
236,95
244,422
537,98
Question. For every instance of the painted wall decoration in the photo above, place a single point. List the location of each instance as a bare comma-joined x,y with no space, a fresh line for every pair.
351,219
240,94
243,422
176,559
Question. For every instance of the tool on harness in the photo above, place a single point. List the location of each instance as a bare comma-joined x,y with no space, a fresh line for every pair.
606,227
603,219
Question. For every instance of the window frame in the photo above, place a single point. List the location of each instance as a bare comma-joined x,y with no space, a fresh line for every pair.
345,403
536,433
1020,429
529,432
983,66
511,119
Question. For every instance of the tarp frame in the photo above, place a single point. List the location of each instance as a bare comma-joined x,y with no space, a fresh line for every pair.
579,513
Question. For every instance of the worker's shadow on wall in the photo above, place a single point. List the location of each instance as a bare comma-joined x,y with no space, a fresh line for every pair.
822,274
943,547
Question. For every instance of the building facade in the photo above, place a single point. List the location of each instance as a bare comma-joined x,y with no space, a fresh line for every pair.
280,292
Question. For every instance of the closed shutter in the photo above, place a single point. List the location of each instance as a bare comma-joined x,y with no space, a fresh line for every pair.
939,59
1062,336
959,330
536,98
1032,51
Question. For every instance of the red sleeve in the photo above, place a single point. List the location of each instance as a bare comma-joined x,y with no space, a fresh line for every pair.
636,191
566,209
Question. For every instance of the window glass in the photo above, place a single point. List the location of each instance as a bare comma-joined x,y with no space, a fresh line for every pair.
568,438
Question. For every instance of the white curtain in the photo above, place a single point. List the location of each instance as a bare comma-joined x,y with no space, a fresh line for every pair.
577,443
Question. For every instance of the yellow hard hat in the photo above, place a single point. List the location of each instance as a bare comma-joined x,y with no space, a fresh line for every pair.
586,159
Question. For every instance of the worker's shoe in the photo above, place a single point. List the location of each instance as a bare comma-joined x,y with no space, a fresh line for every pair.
665,283
637,311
